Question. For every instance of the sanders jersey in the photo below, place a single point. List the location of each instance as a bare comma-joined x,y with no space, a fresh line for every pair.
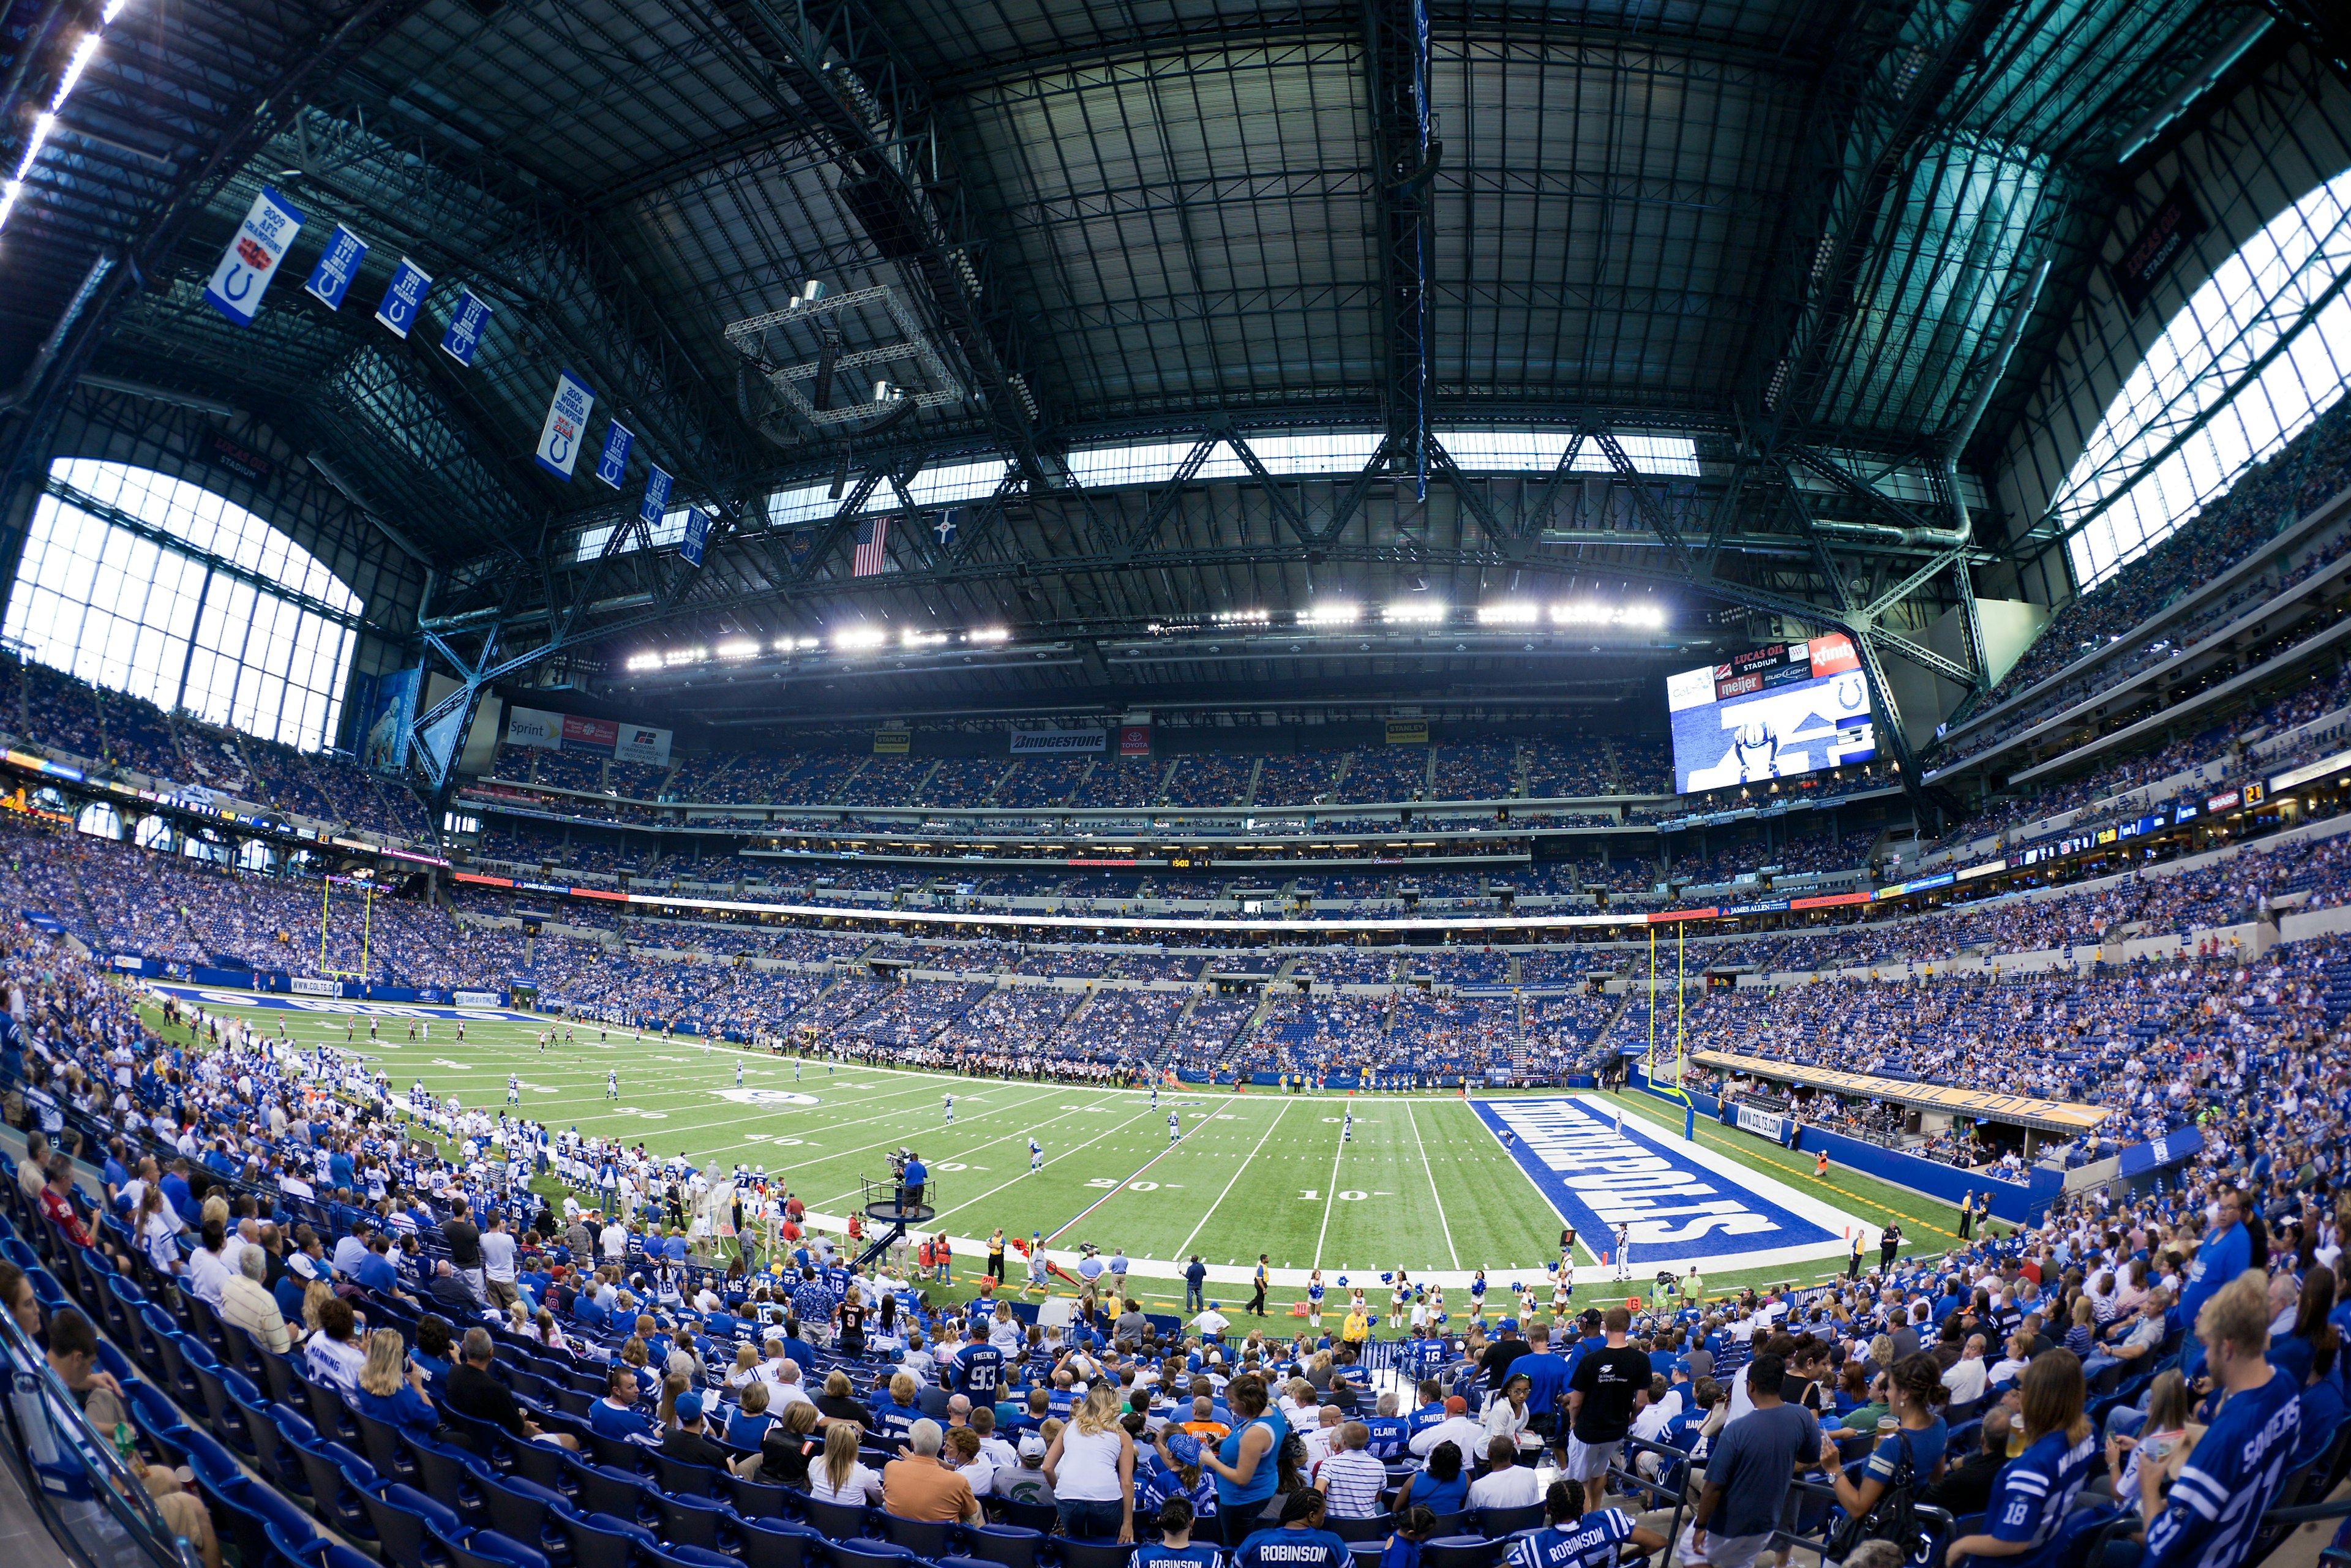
2229,1480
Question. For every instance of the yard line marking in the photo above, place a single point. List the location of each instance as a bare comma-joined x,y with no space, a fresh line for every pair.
1016,1181
975,1148
1330,1196
1435,1196
1185,1245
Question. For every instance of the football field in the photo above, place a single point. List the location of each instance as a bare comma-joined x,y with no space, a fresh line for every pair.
1357,1187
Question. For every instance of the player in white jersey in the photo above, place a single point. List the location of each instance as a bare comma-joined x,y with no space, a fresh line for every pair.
1154,1095
612,1084
1347,1127
1624,1251
1174,1126
950,1105
514,1089
738,1075
1035,1154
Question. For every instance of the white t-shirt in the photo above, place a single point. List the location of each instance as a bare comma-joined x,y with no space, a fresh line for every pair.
1514,1487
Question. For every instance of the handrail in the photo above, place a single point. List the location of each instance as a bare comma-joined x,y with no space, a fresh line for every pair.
74,1473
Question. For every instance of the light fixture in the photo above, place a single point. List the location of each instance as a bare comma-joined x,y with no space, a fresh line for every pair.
684,656
640,661
1337,614
738,648
1417,611
990,635
1509,612
854,639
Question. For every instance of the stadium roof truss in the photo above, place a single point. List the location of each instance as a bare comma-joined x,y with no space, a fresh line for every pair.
1199,306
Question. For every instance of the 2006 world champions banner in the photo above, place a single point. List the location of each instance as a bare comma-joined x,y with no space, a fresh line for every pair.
1683,1204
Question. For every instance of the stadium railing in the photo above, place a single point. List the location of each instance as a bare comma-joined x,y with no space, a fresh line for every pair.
80,1484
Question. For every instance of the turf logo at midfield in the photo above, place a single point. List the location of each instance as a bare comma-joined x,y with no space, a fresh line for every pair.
768,1097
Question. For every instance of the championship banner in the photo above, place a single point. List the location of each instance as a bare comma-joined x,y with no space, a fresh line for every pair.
337,269
655,506
252,258
612,463
697,535
465,327
2049,1115
405,297
1407,732
566,427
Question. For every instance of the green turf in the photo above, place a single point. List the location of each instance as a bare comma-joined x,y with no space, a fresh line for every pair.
1422,1185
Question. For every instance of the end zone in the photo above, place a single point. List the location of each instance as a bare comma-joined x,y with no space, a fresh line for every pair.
1685,1205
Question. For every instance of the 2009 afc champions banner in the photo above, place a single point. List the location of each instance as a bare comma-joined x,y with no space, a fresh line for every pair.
252,260
560,439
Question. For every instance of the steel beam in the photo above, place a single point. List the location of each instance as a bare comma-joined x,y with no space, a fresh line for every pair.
898,183
1397,61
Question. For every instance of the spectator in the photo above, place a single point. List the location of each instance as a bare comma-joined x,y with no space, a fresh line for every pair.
1351,1480
691,1441
1573,1536
2037,1489
245,1305
917,1486
1747,1469
1299,1541
1506,1483
392,1388
838,1476
473,1392
1090,1468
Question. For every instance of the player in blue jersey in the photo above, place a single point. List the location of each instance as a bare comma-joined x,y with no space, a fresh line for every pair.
1347,1127
950,1103
612,1084
1571,1538
738,1075
514,1089
2035,1491
1035,1154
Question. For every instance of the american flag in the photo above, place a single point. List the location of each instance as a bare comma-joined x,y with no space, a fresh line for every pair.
872,557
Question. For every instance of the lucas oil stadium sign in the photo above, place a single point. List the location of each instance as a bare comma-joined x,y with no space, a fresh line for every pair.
1681,1205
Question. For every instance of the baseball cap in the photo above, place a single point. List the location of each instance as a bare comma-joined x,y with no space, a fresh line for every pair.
1183,1447
1457,1406
299,1265
689,1406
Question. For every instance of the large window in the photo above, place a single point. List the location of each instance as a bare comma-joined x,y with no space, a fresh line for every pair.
2250,359
142,583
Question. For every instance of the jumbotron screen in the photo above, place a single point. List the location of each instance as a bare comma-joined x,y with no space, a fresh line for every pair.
1771,713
